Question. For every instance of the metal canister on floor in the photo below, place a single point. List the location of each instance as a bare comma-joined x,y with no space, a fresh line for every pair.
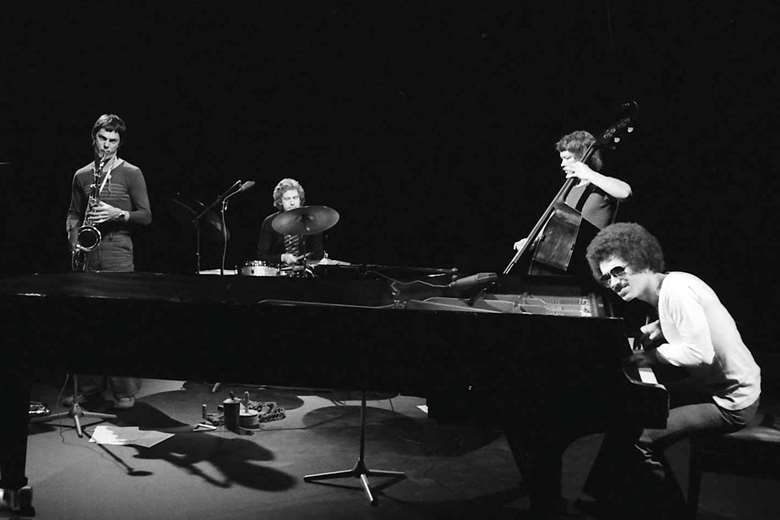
231,409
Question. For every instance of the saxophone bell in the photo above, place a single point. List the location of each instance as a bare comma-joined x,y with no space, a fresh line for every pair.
88,238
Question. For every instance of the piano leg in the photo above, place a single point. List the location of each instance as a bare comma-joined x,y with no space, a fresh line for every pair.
539,459
15,404
360,470
613,464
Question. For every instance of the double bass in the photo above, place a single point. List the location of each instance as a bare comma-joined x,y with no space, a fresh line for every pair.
561,229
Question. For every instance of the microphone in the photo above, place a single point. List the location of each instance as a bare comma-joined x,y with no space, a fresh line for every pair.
474,281
230,191
245,186
222,198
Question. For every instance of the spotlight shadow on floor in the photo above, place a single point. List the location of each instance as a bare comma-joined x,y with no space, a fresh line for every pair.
410,436
234,458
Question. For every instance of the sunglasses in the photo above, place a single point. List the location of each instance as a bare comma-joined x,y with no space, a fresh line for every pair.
618,271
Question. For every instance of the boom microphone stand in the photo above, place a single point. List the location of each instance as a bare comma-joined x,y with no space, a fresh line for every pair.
245,186
196,220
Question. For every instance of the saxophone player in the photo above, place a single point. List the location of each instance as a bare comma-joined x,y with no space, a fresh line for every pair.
118,200
122,199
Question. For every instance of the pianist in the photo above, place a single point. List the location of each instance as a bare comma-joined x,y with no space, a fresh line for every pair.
595,195
286,250
695,332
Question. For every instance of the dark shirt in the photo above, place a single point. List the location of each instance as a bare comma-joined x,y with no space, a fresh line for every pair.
270,245
593,203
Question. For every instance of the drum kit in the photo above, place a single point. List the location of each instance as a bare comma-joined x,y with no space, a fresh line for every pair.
306,220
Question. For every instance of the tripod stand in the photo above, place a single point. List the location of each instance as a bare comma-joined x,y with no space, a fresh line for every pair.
75,411
360,470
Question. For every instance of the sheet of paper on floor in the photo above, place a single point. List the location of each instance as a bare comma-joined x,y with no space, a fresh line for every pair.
123,435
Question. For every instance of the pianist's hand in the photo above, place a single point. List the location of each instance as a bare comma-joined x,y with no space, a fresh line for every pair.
652,336
652,330
642,359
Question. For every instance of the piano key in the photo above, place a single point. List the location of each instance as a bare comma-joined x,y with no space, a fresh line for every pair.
646,375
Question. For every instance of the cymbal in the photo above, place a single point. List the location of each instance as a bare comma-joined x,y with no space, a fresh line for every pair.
184,210
306,220
326,261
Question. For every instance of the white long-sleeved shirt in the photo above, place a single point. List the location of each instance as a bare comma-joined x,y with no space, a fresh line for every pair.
703,337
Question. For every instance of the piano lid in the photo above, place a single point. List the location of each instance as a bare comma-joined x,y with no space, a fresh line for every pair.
353,271
239,290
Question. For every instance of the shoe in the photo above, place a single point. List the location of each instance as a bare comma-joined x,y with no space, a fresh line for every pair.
80,398
85,393
557,509
651,473
69,400
124,403
594,508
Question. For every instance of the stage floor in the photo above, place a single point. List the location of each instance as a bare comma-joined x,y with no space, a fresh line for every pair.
450,471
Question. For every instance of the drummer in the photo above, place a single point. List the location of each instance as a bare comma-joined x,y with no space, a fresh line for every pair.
287,250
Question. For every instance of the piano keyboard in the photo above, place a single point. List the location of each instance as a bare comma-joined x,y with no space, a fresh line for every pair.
646,374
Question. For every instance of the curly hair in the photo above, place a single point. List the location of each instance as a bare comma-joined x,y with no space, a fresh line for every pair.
628,241
110,123
286,185
577,143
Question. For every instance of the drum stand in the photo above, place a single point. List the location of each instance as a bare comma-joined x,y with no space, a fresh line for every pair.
75,411
360,470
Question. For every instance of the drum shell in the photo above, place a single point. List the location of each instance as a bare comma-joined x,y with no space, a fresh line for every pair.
258,268
249,419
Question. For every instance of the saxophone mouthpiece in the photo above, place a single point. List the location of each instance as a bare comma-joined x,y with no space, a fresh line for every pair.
100,162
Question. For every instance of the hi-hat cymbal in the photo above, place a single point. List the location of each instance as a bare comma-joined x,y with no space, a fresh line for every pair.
326,261
307,220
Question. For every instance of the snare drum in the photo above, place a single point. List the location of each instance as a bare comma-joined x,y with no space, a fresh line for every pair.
258,268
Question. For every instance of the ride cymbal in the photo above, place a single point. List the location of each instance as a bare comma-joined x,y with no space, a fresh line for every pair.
307,220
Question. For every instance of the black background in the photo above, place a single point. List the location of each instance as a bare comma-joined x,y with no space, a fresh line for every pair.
430,129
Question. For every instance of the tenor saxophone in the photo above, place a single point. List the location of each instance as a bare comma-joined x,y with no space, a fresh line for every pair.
88,236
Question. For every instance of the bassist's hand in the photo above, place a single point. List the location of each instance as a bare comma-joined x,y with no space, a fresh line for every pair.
579,170
520,244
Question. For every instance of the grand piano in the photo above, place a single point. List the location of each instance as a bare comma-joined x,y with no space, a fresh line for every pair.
521,347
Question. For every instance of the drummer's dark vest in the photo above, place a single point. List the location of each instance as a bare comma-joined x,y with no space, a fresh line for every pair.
292,244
